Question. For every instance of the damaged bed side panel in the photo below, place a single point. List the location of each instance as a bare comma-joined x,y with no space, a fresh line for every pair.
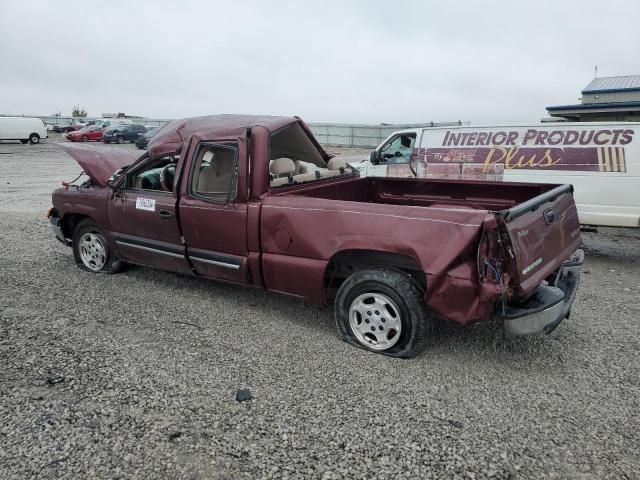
443,242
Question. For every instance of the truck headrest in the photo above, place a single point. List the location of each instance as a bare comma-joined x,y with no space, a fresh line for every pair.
282,166
336,164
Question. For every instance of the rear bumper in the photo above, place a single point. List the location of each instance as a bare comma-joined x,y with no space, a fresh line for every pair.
550,304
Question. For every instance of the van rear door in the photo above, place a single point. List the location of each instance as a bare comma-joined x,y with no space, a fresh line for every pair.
543,232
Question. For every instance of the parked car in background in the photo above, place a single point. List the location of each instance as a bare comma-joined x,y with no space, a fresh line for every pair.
123,133
25,129
92,133
143,140
111,122
71,126
63,127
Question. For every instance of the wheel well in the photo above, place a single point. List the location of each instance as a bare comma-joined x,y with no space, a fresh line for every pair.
344,263
69,223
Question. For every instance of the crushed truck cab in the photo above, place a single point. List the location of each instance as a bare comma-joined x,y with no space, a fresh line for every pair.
256,201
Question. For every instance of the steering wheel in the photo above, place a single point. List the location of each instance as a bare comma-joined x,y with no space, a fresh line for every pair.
164,178
397,154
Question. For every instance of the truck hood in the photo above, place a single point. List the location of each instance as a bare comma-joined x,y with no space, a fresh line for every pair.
99,163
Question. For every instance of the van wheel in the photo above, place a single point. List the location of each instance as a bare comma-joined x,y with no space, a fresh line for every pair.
91,251
382,310
34,138
24,142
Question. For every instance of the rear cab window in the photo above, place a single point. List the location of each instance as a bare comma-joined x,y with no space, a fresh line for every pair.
294,159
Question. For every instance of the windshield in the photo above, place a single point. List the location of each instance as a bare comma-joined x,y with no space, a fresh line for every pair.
398,149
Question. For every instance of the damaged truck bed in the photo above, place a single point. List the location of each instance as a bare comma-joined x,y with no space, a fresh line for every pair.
257,201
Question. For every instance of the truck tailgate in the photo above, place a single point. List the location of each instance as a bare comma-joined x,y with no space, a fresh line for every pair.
543,232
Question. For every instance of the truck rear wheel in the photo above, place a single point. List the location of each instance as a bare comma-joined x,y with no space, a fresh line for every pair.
382,310
91,251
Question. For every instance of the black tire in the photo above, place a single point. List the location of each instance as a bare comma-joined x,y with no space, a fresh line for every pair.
34,138
109,264
84,138
24,142
120,140
405,293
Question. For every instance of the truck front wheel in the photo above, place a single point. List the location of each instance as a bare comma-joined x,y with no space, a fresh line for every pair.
91,251
382,310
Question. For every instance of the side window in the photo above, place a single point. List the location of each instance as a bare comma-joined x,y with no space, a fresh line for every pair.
156,175
399,148
213,175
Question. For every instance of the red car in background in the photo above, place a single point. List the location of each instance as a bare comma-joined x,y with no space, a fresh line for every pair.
92,133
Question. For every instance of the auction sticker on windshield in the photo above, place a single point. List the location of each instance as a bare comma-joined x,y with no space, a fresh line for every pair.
146,204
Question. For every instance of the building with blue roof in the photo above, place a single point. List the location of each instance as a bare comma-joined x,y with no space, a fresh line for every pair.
604,99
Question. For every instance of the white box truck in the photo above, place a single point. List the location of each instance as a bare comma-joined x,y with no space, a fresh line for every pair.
25,129
601,161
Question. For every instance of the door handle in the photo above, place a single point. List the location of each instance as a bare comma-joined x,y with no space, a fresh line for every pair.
165,215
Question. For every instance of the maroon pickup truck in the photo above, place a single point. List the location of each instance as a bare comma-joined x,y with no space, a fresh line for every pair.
256,201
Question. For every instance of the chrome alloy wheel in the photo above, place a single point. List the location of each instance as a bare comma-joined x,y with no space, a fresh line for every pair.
375,321
93,251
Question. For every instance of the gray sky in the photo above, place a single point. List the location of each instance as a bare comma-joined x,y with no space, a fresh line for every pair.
358,61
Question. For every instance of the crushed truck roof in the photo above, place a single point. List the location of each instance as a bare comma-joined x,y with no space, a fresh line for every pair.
170,136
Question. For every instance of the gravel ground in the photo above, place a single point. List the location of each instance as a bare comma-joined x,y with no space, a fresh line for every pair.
135,375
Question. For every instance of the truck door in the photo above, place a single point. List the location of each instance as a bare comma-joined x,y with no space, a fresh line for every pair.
143,217
212,216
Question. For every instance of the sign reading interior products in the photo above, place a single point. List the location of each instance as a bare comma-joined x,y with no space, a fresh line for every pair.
488,154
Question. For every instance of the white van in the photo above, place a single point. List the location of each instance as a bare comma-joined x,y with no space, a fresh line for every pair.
25,129
601,160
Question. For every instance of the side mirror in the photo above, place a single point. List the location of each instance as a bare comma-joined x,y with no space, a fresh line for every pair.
115,181
374,157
